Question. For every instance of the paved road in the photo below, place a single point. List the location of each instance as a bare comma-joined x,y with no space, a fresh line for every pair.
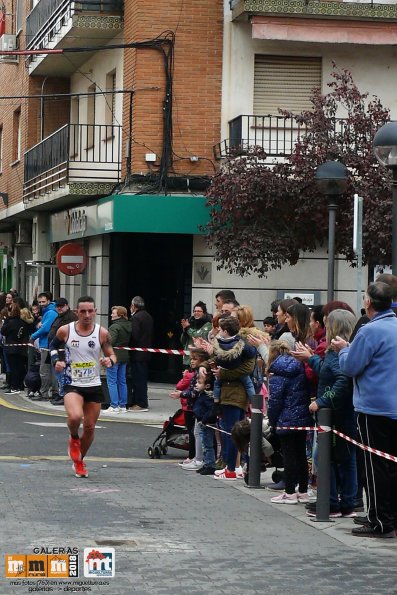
173,531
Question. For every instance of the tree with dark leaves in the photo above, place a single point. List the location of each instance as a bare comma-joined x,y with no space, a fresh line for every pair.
263,217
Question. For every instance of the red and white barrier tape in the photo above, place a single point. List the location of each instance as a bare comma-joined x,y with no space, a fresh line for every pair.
148,349
375,451
380,453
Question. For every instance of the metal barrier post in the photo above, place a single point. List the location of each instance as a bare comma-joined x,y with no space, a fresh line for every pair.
324,466
254,473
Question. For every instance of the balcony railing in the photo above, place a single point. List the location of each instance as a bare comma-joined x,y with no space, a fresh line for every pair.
74,153
276,135
48,16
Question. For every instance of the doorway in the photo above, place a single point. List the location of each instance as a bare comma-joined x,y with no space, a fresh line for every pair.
157,267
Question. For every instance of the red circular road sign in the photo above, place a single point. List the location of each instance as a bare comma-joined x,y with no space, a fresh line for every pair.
71,259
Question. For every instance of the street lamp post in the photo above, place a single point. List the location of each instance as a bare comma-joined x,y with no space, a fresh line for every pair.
385,149
331,178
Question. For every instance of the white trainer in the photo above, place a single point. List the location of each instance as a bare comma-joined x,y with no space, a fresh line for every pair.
193,466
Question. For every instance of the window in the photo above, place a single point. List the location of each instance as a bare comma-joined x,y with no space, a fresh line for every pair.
110,117
19,16
91,116
74,127
284,82
16,135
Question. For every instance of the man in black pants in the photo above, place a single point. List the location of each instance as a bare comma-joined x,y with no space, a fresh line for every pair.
141,336
371,361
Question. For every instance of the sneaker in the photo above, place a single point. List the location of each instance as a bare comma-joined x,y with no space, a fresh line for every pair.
220,471
80,470
361,520
312,493
285,498
240,473
226,474
348,513
74,449
276,486
138,408
12,391
122,409
37,397
206,470
193,465
185,462
303,498
332,515
335,510
59,401
369,531
112,410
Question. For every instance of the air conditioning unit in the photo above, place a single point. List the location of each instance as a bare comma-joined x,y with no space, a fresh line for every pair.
7,44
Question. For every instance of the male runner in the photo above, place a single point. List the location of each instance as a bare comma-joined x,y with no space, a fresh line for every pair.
84,340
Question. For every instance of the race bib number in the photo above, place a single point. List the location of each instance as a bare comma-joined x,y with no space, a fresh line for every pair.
83,371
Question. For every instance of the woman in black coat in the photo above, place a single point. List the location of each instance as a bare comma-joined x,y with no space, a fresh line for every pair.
16,331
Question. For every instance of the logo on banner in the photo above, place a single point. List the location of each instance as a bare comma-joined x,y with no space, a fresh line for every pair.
99,562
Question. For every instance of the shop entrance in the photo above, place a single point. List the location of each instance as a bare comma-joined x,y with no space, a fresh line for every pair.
157,267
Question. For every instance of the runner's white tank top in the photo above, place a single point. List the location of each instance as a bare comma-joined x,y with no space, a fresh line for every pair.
82,356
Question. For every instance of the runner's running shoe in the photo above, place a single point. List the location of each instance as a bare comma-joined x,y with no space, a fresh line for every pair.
80,470
74,449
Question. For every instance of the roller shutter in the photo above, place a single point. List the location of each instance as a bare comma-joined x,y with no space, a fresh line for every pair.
284,82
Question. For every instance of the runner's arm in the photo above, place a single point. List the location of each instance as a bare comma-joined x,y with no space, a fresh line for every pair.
110,357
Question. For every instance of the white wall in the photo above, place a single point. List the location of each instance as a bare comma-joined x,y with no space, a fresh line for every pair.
95,71
309,274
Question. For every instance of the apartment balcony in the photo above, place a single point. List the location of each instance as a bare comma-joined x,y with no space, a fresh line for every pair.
77,160
276,135
361,23
58,24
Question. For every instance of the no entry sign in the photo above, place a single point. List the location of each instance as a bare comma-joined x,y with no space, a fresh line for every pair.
71,259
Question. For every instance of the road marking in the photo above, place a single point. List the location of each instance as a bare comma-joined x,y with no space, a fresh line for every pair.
51,413
53,424
92,459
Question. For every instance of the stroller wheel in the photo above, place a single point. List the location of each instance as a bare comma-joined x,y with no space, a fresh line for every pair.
157,452
150,452
164,450
277,476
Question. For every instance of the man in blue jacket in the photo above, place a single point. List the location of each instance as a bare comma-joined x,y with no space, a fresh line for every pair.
48,313
372,361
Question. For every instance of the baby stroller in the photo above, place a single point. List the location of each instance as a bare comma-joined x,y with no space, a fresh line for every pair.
174,434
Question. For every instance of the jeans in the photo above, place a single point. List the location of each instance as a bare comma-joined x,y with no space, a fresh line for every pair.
344,481
117,385
230,415
207,441
139,375
48,382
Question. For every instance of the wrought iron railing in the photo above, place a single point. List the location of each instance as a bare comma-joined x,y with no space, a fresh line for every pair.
276,135
75,152
48,16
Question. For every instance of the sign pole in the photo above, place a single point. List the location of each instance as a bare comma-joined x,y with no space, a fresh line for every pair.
358,248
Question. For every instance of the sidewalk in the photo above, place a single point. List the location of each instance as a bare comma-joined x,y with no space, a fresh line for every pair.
161,406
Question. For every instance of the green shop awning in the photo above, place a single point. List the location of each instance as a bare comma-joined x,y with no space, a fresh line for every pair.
139,213
159,214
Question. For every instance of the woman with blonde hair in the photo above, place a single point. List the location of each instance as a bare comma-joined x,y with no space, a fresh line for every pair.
335,391
120,334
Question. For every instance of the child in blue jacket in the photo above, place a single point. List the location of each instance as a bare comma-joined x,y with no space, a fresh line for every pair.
203,408
289,400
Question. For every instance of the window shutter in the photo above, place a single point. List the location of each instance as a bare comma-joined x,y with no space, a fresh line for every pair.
284,82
